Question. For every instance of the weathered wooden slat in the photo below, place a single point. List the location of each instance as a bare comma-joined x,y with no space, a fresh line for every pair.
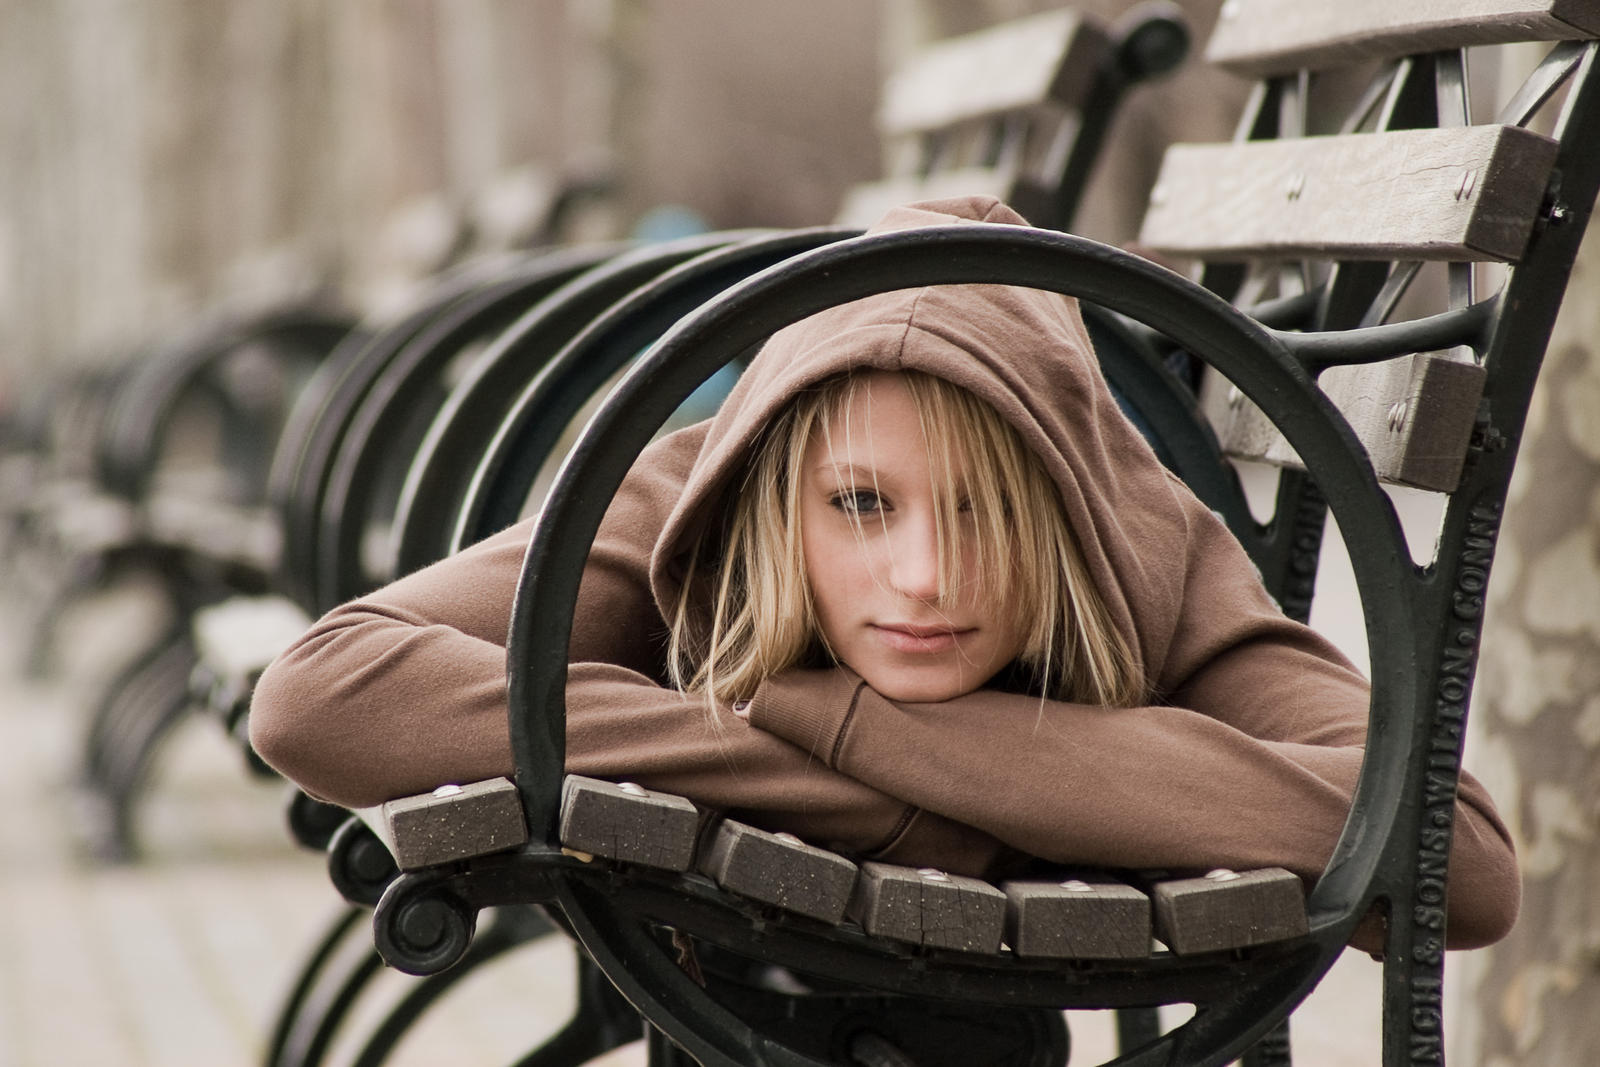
1229,909
1415,415
454,822
1017,65
251,536
1080,918
85,521
1468,193
237,638
778,869
929,908
1259,38
628,823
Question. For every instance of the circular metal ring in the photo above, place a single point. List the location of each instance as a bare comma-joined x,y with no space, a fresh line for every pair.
1247,353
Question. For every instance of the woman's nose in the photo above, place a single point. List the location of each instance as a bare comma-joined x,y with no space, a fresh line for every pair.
914,561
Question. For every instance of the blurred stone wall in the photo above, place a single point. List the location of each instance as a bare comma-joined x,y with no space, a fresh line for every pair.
163,155
161,159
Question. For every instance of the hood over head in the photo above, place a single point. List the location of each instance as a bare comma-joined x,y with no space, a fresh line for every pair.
1024,351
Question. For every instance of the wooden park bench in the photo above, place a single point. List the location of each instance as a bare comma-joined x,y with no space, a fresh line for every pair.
1309,245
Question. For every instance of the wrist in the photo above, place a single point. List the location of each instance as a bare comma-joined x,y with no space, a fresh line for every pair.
808,708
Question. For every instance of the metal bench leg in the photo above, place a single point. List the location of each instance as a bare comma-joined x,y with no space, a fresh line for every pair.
137,712
112,704
603,1021
659,1052
299,994
310,1029
83,576
1136,1027
509,928
1139,1026
1272,1050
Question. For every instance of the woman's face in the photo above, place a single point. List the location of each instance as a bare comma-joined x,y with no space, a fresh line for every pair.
876,584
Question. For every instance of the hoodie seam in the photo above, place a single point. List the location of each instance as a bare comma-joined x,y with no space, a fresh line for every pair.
898,831
911,320
844,725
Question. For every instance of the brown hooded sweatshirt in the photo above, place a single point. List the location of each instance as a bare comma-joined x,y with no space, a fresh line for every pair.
1246,755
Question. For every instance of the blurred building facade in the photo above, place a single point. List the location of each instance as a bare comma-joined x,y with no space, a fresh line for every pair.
163,158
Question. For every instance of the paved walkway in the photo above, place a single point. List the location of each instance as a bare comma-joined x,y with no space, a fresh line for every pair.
182,958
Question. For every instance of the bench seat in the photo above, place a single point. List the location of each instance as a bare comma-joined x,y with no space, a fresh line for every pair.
1078,915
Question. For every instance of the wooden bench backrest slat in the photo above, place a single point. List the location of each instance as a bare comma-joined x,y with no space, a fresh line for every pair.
1453,194
1012,67
1260,38
1415,416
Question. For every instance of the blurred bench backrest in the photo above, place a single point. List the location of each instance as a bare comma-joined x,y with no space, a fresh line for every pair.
1016,111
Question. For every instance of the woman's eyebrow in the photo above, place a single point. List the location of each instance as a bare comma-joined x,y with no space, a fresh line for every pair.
854,470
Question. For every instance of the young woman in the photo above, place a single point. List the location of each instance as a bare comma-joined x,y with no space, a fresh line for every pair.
919,592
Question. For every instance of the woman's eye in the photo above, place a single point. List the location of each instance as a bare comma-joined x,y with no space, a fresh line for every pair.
857,502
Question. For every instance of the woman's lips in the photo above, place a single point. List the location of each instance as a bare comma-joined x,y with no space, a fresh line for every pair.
919,639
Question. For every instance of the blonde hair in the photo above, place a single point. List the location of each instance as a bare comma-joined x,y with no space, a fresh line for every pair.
762,619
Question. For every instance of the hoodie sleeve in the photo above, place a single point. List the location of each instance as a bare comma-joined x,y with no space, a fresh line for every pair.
1253,762
397,692
1159,786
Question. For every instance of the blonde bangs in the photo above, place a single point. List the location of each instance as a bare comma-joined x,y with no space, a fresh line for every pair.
1025,555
